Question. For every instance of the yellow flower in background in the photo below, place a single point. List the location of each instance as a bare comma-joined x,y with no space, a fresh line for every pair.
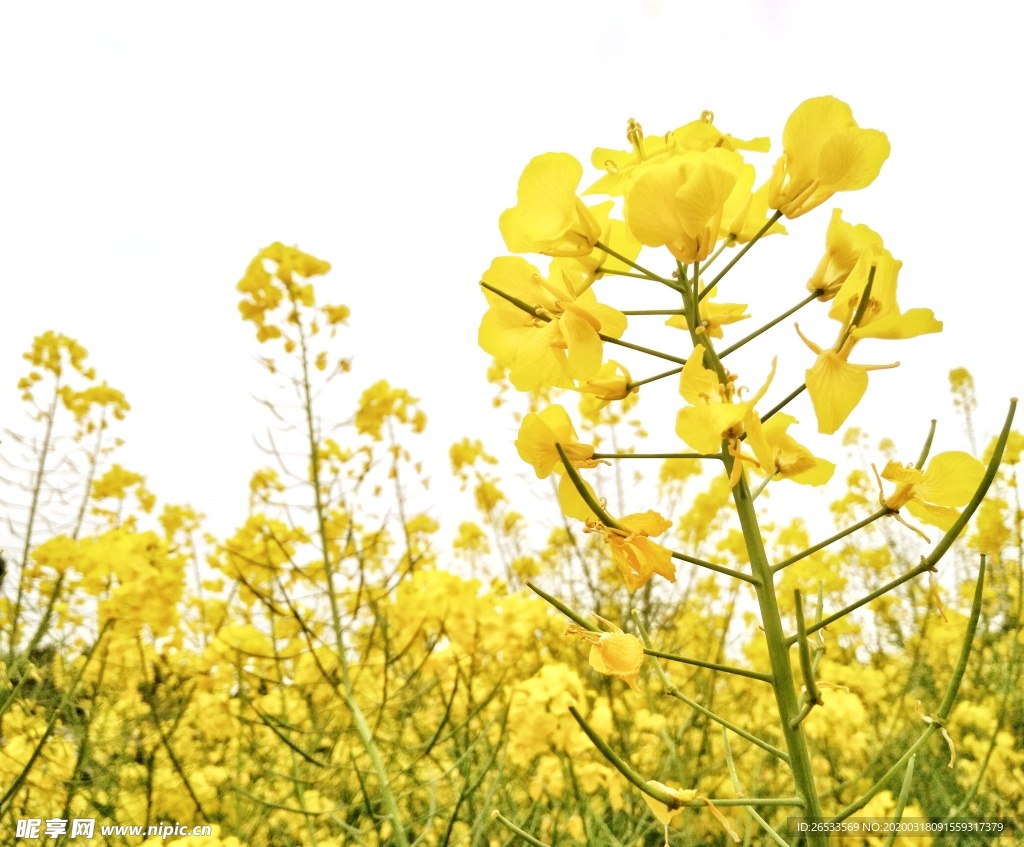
538,435
713,416
824,151
779,454
680,204
845,244
635,555
713,315
549,217
934,495
562,342
612,653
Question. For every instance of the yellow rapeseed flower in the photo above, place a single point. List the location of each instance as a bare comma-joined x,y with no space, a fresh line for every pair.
612,653
824,151
635,555
934,495
549,217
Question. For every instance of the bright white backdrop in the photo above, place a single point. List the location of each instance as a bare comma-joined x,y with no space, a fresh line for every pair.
149,150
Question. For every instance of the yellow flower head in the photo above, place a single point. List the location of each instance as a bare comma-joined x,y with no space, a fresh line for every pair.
549,217
779,454
561,342
935,495
611,382
844,245
713,415
680,204
612,653
824,151
835,384
538,435
623,166
713,315
635,555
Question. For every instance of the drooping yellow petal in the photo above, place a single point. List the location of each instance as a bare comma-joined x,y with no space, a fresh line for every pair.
836,387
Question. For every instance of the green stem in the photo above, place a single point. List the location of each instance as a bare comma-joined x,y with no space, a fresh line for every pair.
770,324
786,401
648,274
637,383
565,610
901,802
928,563
522,833
651,312
672,657
881,513
743,250
944,708
804,649
617,762
778,653
532,311
359,722
728,242
722,569
586,494
657,456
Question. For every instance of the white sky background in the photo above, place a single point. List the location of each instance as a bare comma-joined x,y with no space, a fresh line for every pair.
149,151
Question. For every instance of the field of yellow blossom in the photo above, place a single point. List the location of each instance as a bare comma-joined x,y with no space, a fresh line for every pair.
704,668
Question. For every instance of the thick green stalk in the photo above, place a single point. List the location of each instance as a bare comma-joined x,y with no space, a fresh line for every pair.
778,653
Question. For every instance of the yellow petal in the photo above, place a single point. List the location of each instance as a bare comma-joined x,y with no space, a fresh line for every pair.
950,479
836,387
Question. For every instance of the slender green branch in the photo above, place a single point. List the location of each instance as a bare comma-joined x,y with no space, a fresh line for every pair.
862,307
617,762
637,383
944,708
651,312
522,833
640,349
804,649
742,252
605,272
785,402
738,788
927,448
657,456
726,243
785,563
928,563
565,610
647,274
742,733
670,687
700,663
745,577
515,301
901,802
817,293
585,492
